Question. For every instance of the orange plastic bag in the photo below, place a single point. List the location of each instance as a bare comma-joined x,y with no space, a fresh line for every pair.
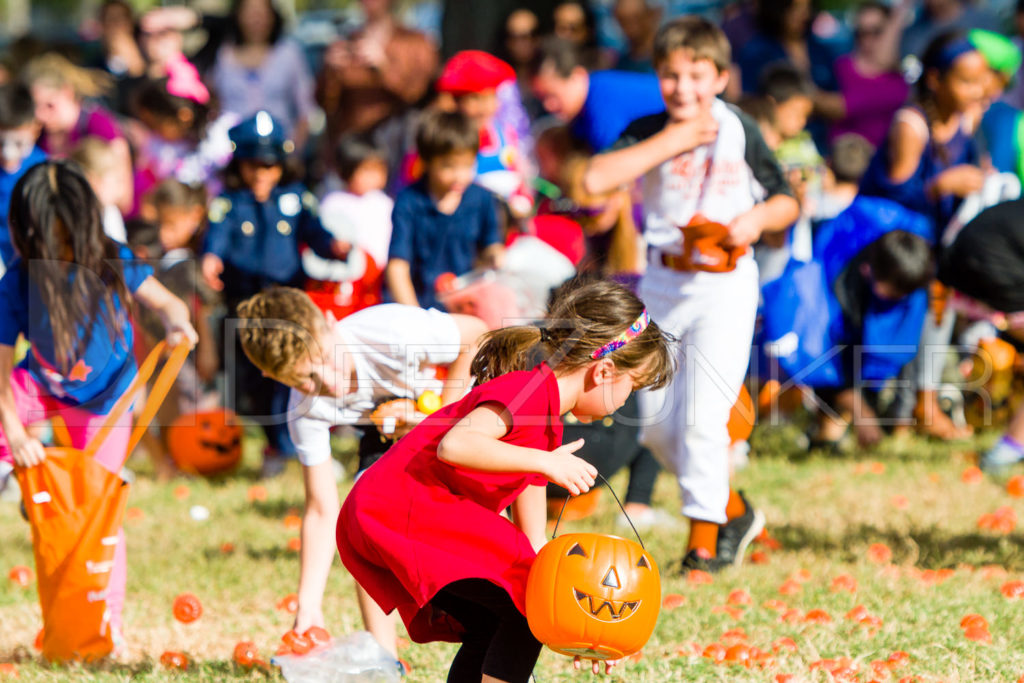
75,508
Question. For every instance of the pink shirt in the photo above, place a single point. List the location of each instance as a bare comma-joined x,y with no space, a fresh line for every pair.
871,101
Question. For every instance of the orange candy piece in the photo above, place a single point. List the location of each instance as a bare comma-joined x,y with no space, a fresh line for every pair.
784,644
844,582
759,557
790,587
673,600
740,597
318,636
256,492
181,492
879,553
295,544
8,670
289,603
187,608
817,616
738,654
174,660
774,604
227,548
21,576
292,522
1015,486
972,475
245,653
978,635
297,642
715,652
898,659
696,576
974,621
1013,589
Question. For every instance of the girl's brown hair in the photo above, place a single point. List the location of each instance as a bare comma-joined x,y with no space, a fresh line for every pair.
581,319
57,230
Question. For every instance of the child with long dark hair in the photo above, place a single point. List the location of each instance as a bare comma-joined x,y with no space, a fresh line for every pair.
69,293
423,531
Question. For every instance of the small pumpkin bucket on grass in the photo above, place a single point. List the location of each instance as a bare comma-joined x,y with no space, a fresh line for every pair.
75,508
593,595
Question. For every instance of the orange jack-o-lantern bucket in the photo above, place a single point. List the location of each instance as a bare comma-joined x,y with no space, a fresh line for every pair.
593,595
208,442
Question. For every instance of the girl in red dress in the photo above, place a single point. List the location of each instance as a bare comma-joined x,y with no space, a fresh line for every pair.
423,531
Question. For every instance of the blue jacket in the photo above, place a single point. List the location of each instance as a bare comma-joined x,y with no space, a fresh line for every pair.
806,336
259,242
7,183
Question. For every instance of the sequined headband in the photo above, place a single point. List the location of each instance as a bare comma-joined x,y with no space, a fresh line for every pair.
631,333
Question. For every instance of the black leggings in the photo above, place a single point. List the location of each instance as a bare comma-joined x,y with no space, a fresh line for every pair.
497,640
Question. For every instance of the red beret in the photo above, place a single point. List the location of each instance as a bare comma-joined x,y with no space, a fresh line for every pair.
472,71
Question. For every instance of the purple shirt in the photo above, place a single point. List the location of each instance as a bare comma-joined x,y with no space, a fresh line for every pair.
282,85
94,121
871,101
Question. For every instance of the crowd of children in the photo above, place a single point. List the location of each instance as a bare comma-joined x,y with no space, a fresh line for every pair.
686,236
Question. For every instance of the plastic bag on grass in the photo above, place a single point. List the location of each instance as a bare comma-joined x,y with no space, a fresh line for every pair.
359,658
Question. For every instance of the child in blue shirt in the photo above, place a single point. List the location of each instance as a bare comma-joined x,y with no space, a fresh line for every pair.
443,223
18,152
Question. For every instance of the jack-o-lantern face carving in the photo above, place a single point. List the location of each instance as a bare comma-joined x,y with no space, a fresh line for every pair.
208,442
593,595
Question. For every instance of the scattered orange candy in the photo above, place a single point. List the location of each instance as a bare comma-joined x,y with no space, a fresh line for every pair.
295,544
897,659
181,492
690,649
790,587
791,616
817,616
298,643
187,608
256,492
978,635
785,678
227,548
801,575
1015,486
857,613
715,652
879,553
759,557
844,582
734,634
787,644
900,502
174,660
245,653
318,636
738,654
8,670
974,621
972,475
993,571
289,603
697,576
673,600
292,522
876,467
739,597
734,612
774,604
21,576
767,540
1013,589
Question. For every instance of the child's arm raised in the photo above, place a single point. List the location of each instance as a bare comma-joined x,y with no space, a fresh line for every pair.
174,312
26,450
611,170
474,443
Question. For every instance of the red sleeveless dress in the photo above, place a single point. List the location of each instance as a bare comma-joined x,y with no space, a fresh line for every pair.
412,524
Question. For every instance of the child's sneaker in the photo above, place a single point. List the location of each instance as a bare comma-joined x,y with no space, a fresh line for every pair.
694,560
1006,452
735,535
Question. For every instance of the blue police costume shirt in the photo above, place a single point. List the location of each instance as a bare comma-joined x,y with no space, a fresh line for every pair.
433,242
259,242
614,100
105,368
7,182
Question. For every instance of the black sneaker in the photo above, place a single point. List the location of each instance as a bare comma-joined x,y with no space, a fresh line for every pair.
692,560
735,535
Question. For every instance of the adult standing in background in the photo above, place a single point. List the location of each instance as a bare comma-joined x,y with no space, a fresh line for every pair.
376,73
940,16
258,69
638,22
871,86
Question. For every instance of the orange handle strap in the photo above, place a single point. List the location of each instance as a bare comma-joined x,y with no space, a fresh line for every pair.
163,384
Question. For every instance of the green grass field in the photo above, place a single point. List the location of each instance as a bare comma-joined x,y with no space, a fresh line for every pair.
825,513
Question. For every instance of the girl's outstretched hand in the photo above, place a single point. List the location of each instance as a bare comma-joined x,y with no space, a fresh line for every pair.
609,664
28,452
572,473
